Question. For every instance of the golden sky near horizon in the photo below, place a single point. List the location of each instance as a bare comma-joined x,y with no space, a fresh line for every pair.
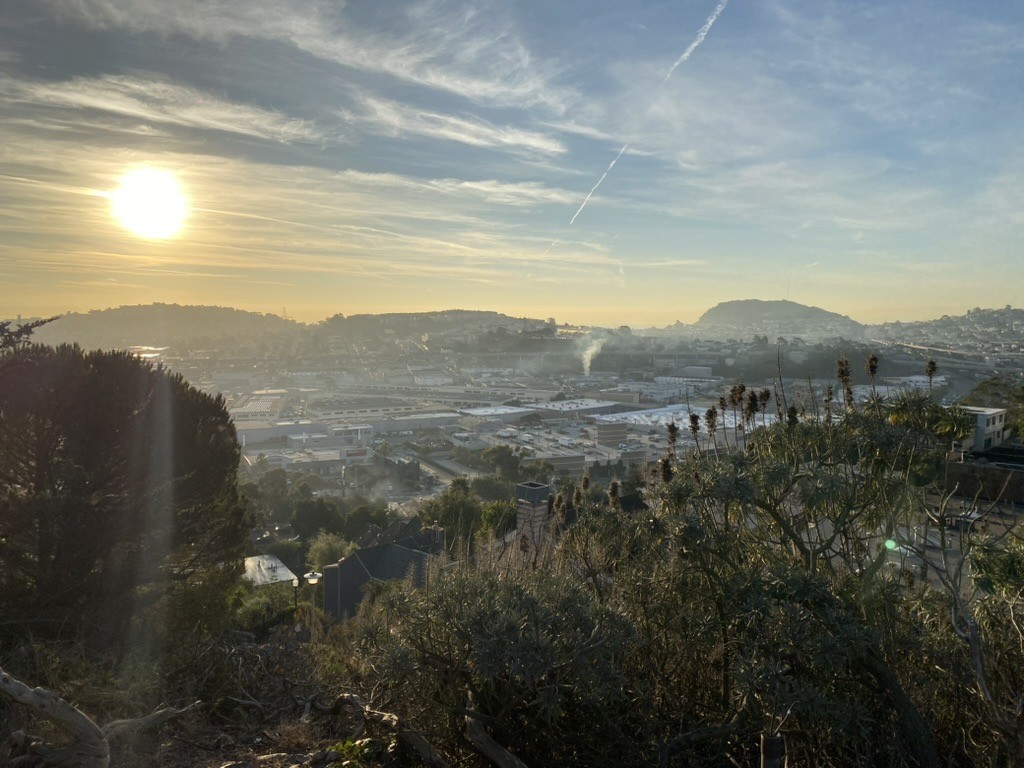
624,166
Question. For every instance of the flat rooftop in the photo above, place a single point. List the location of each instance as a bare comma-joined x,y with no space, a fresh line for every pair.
266,569
570,406
680,414
355,403
498,410
418,416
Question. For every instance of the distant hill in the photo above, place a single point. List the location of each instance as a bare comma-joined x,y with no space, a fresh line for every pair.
160,325
418,323
1007,321
752,311
775,318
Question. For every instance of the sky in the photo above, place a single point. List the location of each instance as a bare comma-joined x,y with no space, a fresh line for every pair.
379,156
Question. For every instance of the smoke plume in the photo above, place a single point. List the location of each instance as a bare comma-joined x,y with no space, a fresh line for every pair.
590,353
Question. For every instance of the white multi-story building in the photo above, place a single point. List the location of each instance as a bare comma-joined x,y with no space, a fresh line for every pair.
990,428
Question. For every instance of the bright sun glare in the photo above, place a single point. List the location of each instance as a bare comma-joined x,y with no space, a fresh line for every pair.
150,202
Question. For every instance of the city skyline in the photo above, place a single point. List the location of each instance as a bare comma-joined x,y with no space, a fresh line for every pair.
602,164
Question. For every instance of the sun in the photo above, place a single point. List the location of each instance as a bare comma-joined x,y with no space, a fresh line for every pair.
150,202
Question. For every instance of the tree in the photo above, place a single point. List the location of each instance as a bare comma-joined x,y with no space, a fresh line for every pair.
490,488
532,420
273,487
953,423
311,514
755,595
499,517
527,663
361,516
327,548
119,489
457,509
1000,392
503,460
17,337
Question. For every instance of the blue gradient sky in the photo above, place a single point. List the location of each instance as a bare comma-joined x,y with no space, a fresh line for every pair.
378,156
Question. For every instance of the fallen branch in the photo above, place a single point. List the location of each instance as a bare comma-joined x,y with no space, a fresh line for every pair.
90,744
414,740
88,748
121,728
483,741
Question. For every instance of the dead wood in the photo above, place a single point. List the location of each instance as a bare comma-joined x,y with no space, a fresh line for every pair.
89,746
487,746
412,739
120,728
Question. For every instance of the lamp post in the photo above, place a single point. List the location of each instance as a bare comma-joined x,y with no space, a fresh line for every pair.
313,578
295,589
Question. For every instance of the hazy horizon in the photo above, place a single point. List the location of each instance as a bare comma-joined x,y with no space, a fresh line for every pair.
602,164
284,312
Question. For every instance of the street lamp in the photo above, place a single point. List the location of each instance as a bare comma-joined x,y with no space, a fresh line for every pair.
295,589
313,578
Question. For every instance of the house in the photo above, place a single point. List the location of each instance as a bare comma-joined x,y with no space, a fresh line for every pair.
990,428
346,581
266,569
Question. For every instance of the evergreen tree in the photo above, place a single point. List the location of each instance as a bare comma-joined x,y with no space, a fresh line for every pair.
118,487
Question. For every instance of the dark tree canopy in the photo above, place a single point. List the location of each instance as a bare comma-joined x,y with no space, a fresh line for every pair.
117,480
14,336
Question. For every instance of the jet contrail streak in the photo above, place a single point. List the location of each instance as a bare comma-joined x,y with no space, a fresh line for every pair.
548,249
594,189
701,34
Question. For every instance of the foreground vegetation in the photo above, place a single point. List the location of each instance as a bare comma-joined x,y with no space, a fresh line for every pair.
754,605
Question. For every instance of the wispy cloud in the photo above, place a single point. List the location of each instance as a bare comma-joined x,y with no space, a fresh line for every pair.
396,119
445,46
252,219
578,129
373,151
157,100
110,282
519,194
669,264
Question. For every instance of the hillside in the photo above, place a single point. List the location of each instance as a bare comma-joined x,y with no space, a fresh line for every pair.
751,311
159,325
199,327
748,317
1006,323
459,321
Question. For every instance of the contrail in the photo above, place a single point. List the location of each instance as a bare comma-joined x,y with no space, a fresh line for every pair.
701,34
594,189
54,185
548,249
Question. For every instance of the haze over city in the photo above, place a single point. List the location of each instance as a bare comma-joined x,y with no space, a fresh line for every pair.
601,162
